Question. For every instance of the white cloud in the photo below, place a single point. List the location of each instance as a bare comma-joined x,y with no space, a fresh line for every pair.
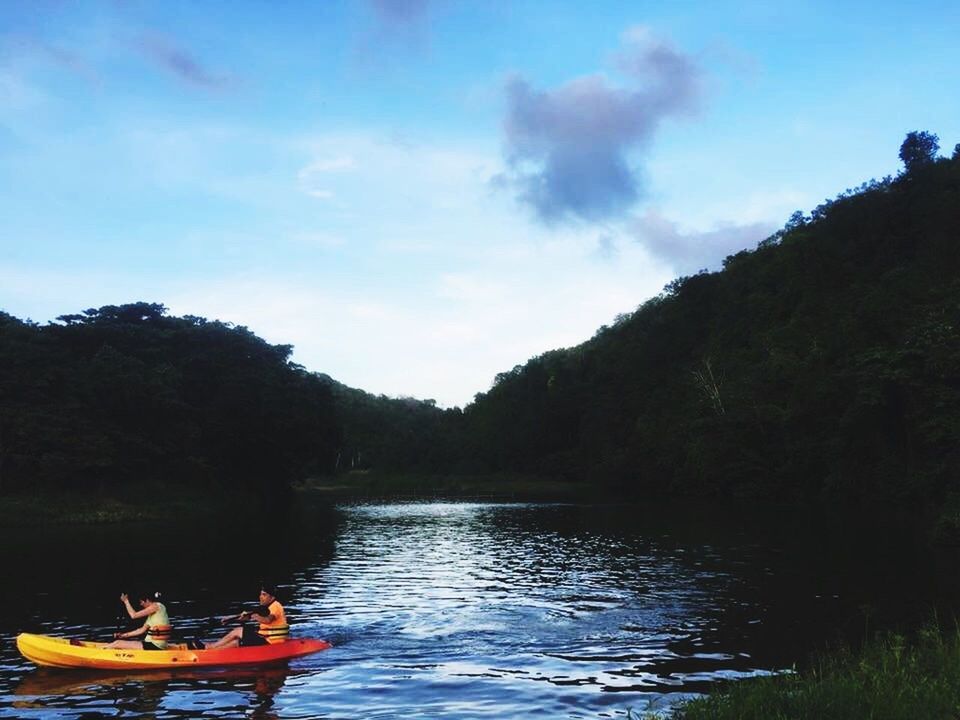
440,288
571,149
689,250
317,172
445,339
326,165
465,287
321,194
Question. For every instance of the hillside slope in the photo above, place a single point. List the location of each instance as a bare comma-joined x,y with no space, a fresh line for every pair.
824,363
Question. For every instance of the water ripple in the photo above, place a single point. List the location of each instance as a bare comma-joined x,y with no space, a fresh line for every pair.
434,609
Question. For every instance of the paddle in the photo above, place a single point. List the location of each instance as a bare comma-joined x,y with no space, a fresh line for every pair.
230,620
116,630
239,617
121,620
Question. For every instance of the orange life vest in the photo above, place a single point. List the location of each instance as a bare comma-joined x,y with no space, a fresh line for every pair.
277,630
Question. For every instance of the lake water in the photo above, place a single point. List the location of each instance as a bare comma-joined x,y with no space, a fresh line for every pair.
466,610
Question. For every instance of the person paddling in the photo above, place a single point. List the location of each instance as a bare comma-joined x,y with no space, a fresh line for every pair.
271,622
155,629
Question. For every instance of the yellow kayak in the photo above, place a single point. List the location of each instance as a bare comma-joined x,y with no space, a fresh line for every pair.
66,653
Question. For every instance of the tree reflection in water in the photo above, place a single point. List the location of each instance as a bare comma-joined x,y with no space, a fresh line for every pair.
152,693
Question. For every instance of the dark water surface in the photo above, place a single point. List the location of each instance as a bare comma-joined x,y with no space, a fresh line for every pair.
462,610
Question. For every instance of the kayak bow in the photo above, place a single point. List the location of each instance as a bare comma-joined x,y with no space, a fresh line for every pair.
65,653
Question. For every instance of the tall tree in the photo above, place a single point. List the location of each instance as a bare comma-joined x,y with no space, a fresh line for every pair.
918,149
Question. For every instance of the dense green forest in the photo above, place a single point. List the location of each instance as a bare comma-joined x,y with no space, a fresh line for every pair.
122,394
823,364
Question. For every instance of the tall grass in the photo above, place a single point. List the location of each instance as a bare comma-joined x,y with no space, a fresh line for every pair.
890,678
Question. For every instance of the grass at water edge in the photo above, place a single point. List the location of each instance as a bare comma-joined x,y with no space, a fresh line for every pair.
892,677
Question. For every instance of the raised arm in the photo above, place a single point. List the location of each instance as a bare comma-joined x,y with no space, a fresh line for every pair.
134,614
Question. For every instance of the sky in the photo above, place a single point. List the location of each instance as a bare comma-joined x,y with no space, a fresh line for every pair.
420,194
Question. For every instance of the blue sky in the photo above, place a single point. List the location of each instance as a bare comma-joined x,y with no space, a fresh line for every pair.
419,194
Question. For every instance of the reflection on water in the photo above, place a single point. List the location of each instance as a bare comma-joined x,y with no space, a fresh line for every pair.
455,610
185,694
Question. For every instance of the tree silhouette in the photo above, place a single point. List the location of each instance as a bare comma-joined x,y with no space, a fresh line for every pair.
126,392
918,149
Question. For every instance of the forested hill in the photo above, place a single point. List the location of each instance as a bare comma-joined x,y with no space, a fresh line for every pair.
126,394
824,363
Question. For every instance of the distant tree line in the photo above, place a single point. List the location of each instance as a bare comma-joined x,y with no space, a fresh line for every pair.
823,364
393,434
127,394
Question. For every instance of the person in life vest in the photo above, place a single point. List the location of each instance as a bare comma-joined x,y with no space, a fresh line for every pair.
271,625
155,629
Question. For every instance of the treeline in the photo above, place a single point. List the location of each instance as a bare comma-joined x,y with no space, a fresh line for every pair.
826,363
393,434
126,394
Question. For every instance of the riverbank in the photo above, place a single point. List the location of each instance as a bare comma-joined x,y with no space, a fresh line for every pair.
356,486
138,502
892,677
170,504
176,503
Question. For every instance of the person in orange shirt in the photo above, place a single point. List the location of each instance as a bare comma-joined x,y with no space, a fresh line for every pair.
271,625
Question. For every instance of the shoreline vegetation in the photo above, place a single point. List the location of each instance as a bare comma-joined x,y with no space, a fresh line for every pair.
64,508
893,676
498,487
155,503
181,505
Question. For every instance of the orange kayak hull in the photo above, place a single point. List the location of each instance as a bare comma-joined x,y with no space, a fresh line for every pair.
50,651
